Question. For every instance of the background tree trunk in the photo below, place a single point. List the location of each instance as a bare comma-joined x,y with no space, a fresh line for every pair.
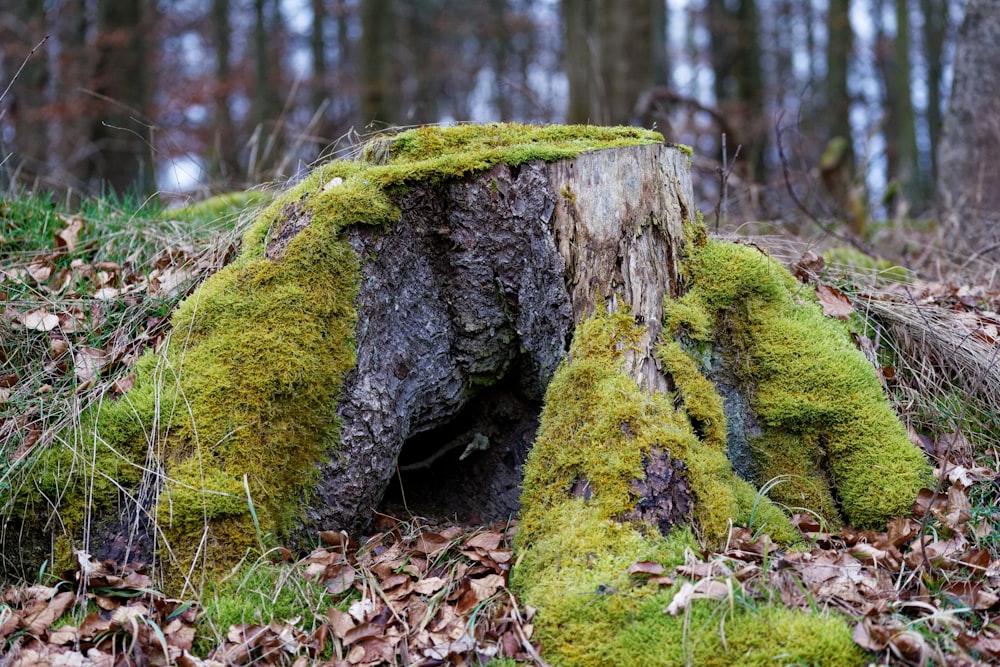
124,149
377,28
935,32
611,57
626,34
580,55
969,169
20,30
223,160
739,80
838,54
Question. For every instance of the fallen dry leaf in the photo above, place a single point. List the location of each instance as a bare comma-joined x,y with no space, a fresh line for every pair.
87,363
485,541
47,615
646,567
487,586
38,320
835,303
66,240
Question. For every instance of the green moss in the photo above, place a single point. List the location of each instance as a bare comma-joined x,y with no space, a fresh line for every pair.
598,425
855,261
240,405
568,194
219,206
575,550
721,496
828,429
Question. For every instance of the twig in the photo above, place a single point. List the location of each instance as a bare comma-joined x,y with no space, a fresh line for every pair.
825,226
519,631
651,96
140,117
24,64
724,173
979,253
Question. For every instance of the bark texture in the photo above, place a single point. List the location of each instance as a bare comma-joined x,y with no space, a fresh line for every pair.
968,166
467,306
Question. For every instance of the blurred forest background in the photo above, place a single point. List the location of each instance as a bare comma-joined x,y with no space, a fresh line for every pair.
831,107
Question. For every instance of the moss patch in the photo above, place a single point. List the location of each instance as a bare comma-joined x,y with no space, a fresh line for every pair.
228,420
575,552
829,433
226,205
854,261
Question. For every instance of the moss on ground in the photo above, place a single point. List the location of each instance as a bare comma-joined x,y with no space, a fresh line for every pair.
575,551
240,404
219,206
829,432
856,262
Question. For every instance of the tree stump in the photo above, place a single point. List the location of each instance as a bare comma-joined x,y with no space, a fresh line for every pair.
401,312
467,306
404,315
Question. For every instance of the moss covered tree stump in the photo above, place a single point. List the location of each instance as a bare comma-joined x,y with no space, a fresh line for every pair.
466,308
424,316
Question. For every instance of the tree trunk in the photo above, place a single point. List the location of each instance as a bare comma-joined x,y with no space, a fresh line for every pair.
223,162
377,30
935,32
460,331
837,167
903,120
626,55
838,95
22,27
892,55
969,169
122,138
611,57
739,80
581,58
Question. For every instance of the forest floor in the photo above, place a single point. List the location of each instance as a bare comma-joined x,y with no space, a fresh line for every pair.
84,293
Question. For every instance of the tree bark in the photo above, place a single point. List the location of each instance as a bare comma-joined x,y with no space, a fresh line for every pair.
838,95
223,158
580,55
968,166
611,57
459,331
626,56
935,32
124,148
22,27
739,80
377,30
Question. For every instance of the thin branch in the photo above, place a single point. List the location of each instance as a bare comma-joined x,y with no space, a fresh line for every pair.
825,226
652,96
725,171
24,64
139,116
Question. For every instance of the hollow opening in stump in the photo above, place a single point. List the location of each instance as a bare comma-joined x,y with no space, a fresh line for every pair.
470,468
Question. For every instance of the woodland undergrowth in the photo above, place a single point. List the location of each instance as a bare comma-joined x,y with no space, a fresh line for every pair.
84,292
